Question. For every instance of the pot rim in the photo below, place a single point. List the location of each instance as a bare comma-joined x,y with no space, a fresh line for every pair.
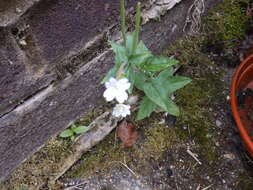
246,63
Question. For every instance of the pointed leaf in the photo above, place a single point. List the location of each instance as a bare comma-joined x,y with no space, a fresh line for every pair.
72,138
153,94
72,126
146,108
111,73
120,53
129,42
172,108
170,84
141,48
175,83
140,80
66,133
141,54
158,63
81,129
160,98
166,73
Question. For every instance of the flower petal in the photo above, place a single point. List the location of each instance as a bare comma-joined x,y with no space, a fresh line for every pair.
121,110
109,94
111,83
123,84
121,96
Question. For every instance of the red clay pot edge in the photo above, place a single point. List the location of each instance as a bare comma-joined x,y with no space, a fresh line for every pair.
247,141
242,75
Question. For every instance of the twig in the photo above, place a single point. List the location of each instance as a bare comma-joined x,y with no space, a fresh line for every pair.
125,165
198,188
207,187
189,131
75,186
193,155
129,169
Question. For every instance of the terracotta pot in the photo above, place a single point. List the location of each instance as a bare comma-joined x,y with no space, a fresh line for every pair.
243,79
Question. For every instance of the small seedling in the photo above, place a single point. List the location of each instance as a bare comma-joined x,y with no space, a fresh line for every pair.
136,67
72,131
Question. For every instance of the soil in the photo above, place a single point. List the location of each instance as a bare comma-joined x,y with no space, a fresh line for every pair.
199,150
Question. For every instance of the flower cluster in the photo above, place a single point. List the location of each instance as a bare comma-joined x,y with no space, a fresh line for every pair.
116,89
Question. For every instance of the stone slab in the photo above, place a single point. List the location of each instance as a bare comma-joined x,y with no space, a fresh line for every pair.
33,47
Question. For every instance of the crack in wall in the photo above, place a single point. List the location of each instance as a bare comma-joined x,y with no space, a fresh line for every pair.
30,99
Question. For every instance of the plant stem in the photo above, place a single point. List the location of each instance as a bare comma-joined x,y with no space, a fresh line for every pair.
137,26
120,71
123,20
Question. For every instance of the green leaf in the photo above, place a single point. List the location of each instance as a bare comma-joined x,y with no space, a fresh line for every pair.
141,48
111,73
159,97
81,129
72,126
72,138
140,80
129,43
174,83
141,54
169,84
172,108
166,73
158,63
130,74
66,133
146,108
120,53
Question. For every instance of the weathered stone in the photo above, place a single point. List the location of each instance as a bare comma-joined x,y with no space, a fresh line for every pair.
11,10
60,26
17,81
47,35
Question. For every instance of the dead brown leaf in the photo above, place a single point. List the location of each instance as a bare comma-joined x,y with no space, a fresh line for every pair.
127,133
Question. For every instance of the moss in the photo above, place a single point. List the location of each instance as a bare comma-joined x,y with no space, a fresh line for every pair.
158,139
228,20
245,184
34,172
194,100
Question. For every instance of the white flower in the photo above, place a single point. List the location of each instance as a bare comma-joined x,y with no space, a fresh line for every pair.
121,110
116,89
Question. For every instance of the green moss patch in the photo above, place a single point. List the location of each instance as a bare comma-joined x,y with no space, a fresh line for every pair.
229,20
109,153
